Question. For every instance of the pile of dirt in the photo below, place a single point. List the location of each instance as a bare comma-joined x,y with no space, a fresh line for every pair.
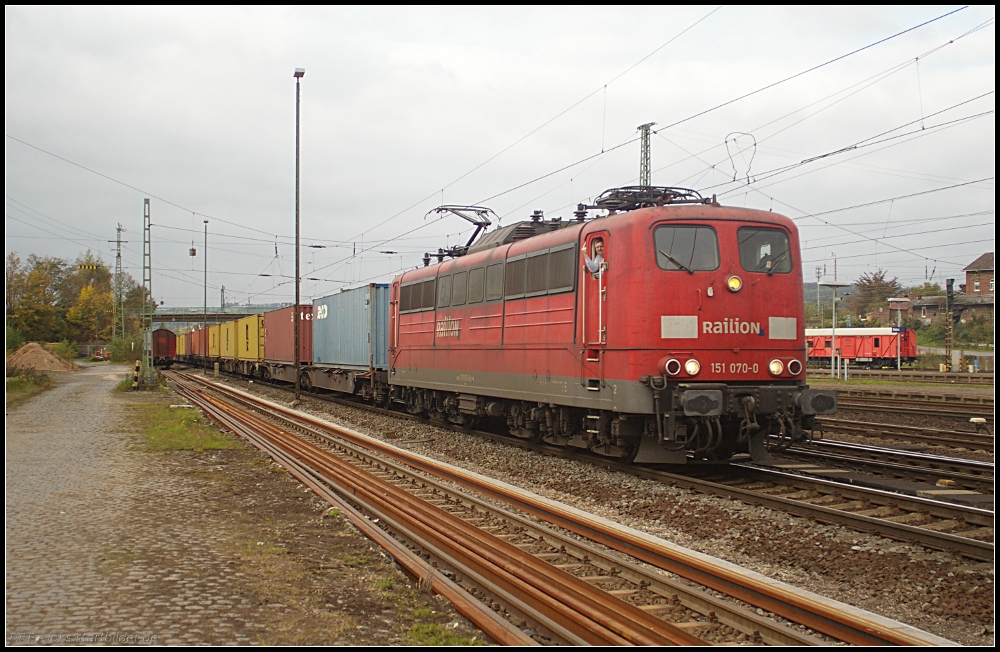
33,356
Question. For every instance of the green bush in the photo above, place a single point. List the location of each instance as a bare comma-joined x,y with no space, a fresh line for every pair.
128,349
14,339
66,350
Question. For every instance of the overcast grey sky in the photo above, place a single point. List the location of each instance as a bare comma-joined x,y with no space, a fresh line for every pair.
400,107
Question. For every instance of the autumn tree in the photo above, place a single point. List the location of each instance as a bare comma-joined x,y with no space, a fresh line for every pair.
870,295
91,316
32,297
48,299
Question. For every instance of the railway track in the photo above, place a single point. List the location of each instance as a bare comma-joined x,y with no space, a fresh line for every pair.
927,522
918,398
948,471
985,378
563,590
934,436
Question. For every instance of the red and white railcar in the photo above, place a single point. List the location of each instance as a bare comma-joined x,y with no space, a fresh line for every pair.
873,348
671,326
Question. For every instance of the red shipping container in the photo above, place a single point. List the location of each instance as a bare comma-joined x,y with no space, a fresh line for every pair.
199,346
279,335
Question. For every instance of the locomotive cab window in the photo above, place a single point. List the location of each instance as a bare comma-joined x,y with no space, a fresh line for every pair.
765,250
688,248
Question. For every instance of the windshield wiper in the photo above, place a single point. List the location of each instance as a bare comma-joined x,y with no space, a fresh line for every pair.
674,261
774,263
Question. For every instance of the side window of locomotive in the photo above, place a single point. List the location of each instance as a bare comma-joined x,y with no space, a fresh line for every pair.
514,281
405,292
458,291
562,269
427,295
764,250
538,274
444,291
687,248
477,284
494,282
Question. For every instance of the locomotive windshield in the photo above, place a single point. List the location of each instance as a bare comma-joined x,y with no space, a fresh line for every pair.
765,250
688,248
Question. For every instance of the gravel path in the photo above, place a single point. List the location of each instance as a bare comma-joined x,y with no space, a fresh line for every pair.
109,543
939,592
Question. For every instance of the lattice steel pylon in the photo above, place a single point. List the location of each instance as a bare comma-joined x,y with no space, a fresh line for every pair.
148,377
118,308
949,315
645,173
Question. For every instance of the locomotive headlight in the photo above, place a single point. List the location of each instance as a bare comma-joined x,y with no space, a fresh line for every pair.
692,367
776,367
672,367
794,367
734,283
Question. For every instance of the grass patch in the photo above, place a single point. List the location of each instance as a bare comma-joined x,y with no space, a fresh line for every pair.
356,560
178,429
25,384
434,634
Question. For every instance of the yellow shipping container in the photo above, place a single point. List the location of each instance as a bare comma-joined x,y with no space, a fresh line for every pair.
227,341
181,345
213,340
250,338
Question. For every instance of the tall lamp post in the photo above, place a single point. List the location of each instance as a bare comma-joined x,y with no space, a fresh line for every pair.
899,303
299,74
833,339
204,317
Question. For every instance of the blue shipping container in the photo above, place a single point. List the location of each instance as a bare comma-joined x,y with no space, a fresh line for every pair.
351,328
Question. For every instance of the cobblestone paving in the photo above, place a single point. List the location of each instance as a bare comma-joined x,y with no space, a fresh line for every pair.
104,542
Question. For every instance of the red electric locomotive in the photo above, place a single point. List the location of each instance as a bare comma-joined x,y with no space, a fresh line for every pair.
670,327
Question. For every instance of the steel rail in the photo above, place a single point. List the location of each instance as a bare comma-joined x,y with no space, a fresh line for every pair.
953,438
574,609
936,377
739,618
839,621
495,627
965,472
909,398
927,410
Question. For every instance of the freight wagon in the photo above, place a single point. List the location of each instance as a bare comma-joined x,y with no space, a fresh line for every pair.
164,347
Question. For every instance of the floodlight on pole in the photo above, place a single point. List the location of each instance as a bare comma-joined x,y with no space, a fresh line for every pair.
833,337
